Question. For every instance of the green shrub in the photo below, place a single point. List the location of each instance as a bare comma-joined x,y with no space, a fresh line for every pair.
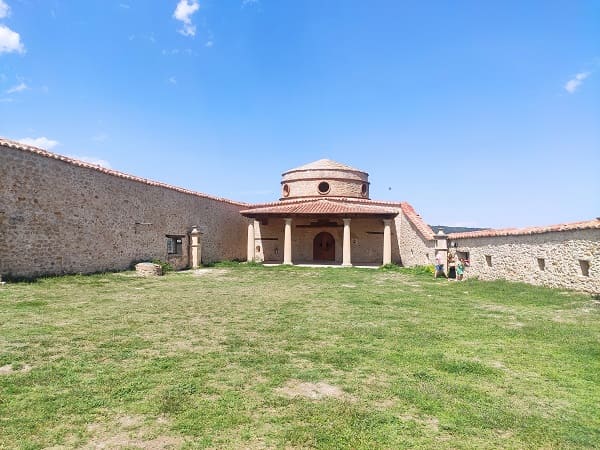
166,267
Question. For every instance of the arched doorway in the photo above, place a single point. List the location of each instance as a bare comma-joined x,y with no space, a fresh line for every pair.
324,247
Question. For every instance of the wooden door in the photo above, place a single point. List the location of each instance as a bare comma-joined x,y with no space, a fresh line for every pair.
324,247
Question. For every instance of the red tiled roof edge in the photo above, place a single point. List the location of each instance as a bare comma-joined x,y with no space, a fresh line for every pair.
573,226
312,199
29,148
405,207
321,206
417,221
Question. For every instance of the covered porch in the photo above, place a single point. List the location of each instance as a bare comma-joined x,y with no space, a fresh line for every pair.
320,232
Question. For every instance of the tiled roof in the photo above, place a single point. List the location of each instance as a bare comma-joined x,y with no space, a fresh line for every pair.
417,221
320,207
29,148
406,208
324,164
585,225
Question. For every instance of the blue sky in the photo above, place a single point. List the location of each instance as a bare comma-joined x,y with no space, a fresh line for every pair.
477,113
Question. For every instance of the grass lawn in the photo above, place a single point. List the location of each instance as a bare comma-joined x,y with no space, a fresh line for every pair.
240,356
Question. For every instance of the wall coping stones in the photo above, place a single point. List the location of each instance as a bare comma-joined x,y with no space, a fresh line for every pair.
573,226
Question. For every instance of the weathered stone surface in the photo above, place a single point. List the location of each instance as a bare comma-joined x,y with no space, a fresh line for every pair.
549,259
57,217
147,269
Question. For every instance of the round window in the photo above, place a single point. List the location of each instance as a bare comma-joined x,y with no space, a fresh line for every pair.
286,190
323,187
363,190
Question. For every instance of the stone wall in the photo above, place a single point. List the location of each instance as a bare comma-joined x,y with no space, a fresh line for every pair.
342,183
337,188
566,259
414,248
63,216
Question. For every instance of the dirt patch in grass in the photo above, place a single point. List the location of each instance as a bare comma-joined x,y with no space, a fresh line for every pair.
129,431
210,271
312,391
9,369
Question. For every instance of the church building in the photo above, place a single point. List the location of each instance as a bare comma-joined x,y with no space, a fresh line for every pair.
325,215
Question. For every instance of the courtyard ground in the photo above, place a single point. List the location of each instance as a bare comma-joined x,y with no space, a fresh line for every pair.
238,356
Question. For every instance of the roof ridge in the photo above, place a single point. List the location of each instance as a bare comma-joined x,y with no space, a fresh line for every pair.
569,226
42,152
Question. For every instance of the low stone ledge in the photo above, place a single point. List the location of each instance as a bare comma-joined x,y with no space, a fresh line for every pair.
147,269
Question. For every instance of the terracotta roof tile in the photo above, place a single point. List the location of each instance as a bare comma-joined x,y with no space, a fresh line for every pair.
29,148
406,208
585,225
319,207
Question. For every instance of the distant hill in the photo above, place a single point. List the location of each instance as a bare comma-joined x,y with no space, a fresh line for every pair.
449,230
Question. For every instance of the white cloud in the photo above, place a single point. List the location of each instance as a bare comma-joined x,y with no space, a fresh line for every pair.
10,41
121,5
92,160
183,12
209,44
249,2
41,142
18,88
4,10
172,80
573,84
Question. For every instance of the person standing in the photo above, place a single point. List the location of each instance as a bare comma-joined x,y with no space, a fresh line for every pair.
439,264
460,269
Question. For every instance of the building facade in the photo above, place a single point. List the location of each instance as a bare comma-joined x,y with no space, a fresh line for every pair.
60,215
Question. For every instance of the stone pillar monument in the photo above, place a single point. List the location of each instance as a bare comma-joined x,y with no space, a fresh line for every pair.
196,248
441,246
387,242
347,250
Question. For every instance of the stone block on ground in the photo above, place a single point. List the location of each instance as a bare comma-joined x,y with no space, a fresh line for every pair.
147,269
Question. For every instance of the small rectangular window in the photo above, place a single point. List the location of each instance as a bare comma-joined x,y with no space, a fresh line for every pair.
488,260
174,245
541,264
585,267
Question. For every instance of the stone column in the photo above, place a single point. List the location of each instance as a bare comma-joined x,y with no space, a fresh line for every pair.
347,250
196,248
250,247
287,242
387,242
441,246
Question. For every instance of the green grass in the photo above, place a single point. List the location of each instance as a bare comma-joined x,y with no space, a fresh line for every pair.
213,360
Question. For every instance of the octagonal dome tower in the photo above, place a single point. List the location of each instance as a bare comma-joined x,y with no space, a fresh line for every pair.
324,178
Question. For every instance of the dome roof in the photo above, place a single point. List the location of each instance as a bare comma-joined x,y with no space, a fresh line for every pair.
324,178
324,164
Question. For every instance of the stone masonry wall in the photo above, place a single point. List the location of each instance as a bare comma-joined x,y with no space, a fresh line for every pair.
554,259
414,249
57,217
337,188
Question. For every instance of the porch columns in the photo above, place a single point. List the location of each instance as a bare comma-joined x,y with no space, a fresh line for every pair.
287,242
250,247
387,242
196,248
346,253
